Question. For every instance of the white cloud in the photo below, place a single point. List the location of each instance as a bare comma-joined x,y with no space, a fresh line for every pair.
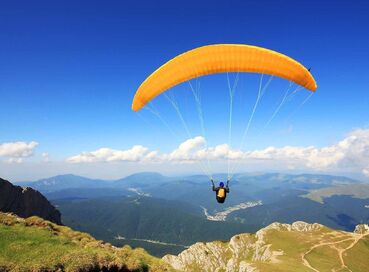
220,152
45,157
17,150
191,150
135,154
186,151
350,154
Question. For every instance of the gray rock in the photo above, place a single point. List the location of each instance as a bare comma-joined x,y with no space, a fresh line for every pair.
26,202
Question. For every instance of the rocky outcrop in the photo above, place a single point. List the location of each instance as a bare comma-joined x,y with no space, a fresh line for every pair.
26,202
220,256
277,247
362,229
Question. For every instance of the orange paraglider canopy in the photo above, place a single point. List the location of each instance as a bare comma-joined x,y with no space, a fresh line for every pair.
220,58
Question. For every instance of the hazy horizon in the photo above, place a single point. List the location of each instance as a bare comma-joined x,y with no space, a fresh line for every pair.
188,174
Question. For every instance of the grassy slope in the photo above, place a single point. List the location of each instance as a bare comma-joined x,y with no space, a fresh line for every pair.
323,258
320,248
34,244
359,252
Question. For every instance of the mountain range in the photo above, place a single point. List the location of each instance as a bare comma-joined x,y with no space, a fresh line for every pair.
178,218
167,214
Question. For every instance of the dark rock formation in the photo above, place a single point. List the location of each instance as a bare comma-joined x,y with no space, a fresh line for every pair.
26,202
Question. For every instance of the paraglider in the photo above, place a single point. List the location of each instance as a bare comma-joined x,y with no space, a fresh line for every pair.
220,191
222,58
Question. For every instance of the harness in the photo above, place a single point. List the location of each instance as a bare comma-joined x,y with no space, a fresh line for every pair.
221,193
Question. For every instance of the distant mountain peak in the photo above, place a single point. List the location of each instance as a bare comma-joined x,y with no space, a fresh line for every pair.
66,175
61,176
142,174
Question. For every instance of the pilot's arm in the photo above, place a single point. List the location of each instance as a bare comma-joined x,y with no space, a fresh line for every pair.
212,181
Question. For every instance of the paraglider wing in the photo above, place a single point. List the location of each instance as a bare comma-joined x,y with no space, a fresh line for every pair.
220,58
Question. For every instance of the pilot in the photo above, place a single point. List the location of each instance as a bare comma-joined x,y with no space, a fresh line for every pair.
220,191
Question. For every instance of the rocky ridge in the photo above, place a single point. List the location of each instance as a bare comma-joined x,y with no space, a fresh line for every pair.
26,202
271,247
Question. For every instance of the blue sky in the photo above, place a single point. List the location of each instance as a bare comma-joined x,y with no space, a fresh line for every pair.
69,71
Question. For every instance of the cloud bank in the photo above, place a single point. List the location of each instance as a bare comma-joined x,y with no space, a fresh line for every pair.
350,154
